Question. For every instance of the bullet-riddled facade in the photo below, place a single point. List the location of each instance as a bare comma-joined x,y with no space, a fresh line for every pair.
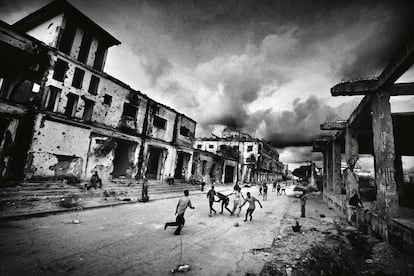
86,120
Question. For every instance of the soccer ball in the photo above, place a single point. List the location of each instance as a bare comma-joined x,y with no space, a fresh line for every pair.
236,224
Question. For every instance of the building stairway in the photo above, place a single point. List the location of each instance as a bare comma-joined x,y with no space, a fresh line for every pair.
57,189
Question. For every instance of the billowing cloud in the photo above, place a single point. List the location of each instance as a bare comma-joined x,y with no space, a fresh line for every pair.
264,66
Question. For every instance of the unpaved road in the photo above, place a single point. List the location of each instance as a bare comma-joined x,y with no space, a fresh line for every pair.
130,240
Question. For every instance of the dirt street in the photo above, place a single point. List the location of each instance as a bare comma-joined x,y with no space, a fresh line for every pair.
130,240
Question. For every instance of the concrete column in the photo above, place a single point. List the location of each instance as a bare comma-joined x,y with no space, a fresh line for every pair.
336,166
329,173
351,156
325,169
384,152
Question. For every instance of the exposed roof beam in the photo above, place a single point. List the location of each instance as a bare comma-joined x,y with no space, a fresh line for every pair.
401,62
400,89
335,125
359,109
355,88
366,87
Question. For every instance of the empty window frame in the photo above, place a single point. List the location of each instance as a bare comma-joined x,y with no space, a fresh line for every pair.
210,146
129,110
60,70
184,131
78,78
199,146
107,99
99,56
159,122
71,105
68,35
85,47
249,148
93,85
88,110
222,147
52,98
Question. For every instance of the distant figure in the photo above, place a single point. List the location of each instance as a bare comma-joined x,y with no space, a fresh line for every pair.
211,197
353,204
252,206
144,194
264,191
95,181
203,182
170,179
283,190
236,186
274,186
260,188
303,204
182,205
278,187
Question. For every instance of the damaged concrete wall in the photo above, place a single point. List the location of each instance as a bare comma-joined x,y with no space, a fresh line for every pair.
8,131
160,131
185,131
56,149
166,160
207,167
48,31
101,156
108,102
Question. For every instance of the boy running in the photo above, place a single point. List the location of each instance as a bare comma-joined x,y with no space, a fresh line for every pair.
183,203
252,206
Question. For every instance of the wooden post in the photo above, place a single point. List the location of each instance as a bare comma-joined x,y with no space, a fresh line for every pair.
336,166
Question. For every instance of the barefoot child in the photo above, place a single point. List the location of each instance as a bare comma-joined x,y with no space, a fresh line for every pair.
252,206
210,195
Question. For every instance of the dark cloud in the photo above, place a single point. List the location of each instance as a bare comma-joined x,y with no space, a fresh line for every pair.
213,60
300,126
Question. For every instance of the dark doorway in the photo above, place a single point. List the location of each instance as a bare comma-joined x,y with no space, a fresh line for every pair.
121,159
228,174
154,163
182,165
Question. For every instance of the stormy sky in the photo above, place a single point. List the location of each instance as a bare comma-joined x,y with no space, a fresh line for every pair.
262,66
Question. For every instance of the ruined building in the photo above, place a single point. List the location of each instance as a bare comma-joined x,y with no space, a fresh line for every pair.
62,116
255,159
374,129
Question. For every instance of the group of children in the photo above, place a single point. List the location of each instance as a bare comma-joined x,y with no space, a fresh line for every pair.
225,200
185,202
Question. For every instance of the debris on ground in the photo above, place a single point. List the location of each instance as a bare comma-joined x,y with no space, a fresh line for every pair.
327,245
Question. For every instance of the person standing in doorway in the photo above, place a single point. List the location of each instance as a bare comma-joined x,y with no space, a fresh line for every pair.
252,206
278,187
182,205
